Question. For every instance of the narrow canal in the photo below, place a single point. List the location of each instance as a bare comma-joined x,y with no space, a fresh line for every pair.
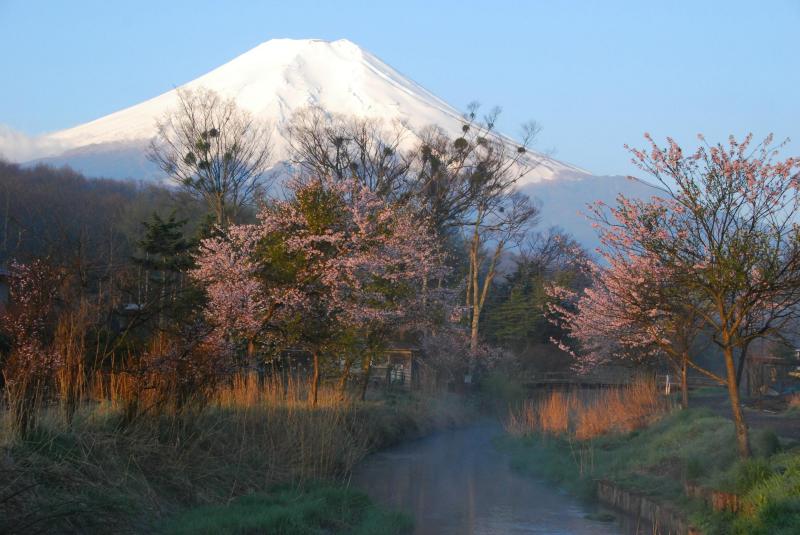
456,482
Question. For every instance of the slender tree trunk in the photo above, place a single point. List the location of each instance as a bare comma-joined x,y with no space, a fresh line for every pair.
366,366
220,209
315,380
685,381
343,379
473,335
473,284
742,439
480,291
741,364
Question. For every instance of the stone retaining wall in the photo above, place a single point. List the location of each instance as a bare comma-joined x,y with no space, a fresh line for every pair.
649,516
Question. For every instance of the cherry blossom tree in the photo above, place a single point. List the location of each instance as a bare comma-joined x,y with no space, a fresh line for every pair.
725,226
631,312
466,183
332,257
29,368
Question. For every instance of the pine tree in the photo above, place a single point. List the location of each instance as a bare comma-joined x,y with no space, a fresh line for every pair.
166,256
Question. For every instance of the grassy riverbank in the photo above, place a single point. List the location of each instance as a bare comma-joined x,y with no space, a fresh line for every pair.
99,472
661,458
306,509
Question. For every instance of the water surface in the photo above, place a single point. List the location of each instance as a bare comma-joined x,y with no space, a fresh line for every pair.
457,482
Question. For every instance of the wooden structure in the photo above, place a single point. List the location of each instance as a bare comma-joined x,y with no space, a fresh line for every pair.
771,375
397,367
566,380
605,379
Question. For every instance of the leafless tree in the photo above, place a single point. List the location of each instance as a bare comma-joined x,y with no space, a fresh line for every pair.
329,144
452,177
215,150
500,223
469,183
551,252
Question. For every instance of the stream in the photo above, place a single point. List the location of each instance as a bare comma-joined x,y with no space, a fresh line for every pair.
457,482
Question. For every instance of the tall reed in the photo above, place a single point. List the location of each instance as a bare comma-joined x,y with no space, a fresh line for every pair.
589,414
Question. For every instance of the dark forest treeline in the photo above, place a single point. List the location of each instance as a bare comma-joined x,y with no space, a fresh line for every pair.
92,225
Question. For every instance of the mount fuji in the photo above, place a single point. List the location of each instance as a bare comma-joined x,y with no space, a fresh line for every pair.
280,76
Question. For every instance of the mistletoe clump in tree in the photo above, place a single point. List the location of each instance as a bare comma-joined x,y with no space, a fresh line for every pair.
215,151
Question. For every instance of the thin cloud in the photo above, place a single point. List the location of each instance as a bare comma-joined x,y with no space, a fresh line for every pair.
16,146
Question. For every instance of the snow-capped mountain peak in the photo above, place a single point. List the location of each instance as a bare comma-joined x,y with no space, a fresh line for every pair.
271,81
280,76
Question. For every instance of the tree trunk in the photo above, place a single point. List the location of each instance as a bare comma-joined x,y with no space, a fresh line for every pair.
475,297
684,381
220,209
343,379
742,439
473,335
367,368
315,380
741,364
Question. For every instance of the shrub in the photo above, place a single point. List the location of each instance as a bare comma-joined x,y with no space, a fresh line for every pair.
766,443
500,390
750,473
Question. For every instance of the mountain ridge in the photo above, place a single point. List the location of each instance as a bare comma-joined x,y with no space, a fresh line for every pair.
280,76
274,79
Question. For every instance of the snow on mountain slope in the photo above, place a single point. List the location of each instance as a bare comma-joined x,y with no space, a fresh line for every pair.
271,81
563,203
283,75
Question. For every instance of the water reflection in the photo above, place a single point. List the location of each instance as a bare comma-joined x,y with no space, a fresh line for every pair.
457,482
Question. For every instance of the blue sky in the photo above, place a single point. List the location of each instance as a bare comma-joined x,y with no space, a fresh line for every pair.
595,75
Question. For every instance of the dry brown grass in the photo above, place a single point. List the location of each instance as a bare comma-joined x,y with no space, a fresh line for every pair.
101,470
586,415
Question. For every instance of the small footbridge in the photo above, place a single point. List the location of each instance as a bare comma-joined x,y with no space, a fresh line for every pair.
603,379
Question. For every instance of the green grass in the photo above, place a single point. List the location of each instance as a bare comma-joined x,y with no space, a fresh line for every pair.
705,391
316,509
695,440
773,499
693,445
95,475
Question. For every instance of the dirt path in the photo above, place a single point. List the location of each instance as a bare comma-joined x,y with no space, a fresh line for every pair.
785,425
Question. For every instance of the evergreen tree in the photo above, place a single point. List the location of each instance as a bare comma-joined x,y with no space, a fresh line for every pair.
165,256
